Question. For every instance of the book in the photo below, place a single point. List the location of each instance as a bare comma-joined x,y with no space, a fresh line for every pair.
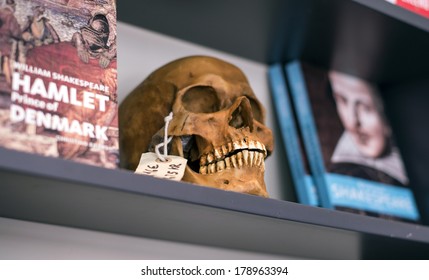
355,163
58,79
419,7
302,180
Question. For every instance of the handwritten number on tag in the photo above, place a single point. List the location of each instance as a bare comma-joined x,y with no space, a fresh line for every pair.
172,169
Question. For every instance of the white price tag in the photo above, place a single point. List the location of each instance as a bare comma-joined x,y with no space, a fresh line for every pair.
173,168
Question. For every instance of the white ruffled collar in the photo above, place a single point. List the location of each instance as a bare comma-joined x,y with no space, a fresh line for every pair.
391,164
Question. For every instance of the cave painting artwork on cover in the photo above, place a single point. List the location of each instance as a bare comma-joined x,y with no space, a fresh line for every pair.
58,79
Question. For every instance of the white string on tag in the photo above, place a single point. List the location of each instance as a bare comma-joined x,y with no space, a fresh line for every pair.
167,139
162,165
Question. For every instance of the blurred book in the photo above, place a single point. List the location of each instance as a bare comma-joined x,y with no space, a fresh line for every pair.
302,179
355,162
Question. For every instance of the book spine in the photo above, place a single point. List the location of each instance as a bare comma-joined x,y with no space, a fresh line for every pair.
282,105
308,130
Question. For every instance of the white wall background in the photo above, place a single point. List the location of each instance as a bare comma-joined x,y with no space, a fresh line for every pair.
139,53
27,240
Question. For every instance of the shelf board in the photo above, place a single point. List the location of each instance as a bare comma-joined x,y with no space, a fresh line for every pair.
397,13
56,191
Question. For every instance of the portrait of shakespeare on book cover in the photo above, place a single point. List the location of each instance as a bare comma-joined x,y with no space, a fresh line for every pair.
350,144
355,136
366,148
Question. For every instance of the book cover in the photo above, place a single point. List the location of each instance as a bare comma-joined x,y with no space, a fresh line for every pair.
301,178
357,166
58,79
420,7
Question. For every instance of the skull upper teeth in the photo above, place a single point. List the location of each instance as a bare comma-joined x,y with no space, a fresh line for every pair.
234,155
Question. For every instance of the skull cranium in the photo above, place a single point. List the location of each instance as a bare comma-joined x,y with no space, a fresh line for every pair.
217,123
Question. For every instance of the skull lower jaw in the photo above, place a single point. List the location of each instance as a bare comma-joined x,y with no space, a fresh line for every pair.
247,180
245,174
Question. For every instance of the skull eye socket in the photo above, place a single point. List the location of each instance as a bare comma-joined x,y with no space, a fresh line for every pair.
256,110
201,99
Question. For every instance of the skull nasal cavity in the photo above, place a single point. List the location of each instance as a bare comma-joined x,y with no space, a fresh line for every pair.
242,116
201,99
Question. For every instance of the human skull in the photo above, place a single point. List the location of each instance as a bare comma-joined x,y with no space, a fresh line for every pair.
217,123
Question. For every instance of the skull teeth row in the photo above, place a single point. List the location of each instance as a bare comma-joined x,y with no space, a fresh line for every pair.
233,155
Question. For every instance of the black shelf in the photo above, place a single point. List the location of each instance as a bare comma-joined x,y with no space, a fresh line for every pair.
369,38
56,191
397,12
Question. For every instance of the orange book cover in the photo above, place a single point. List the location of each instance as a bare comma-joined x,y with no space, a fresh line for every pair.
58,79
